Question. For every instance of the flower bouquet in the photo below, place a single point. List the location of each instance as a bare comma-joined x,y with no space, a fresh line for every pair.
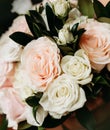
53,61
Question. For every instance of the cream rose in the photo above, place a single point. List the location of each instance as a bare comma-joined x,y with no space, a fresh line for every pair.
78,66
40,60
6,69
96,42
63,96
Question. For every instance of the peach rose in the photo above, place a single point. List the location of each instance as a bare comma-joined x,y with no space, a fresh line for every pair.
12,106
40,60
96,42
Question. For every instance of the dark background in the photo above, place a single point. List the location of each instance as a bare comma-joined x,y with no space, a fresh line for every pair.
6,17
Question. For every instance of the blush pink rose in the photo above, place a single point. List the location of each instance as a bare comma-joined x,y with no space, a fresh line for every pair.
6,72
96,42
40,60
12,106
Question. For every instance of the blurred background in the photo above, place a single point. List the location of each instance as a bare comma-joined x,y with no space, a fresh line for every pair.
6,17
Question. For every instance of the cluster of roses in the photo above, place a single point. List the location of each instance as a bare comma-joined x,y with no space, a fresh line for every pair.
40,67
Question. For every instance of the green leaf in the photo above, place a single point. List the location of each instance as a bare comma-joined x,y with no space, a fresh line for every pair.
21,38
86,118
100,80
51,20
34,100
30,23
74,29
23,125
66,50
4,123
106,93
100,10
104,19
86,8
37,18
34,110
50,122
108,7
41,128
37,31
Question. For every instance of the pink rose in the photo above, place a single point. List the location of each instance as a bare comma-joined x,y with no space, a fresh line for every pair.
96,42
40,60
6,71
12,106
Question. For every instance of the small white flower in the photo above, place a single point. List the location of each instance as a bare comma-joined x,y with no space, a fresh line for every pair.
65,36
21,6
78,66
62,96
60,7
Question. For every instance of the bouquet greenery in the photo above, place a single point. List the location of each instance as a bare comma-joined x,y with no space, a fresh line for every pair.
53,60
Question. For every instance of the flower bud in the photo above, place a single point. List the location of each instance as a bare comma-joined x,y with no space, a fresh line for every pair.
60,7
65,36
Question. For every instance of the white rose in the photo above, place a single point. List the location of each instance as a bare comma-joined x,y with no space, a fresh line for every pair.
60,7
62,96
65,36
78,66
21,7
10,51
40,116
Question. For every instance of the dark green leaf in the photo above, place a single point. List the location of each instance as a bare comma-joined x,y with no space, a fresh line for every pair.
104,19
108,8
101,81
106,93
50,122
37,18
100,10
34,100
34,110
23,125
37,31
80,32
51,20
66,50
21,38
74,29
30,24
86,118
86,8
31,128
4,123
